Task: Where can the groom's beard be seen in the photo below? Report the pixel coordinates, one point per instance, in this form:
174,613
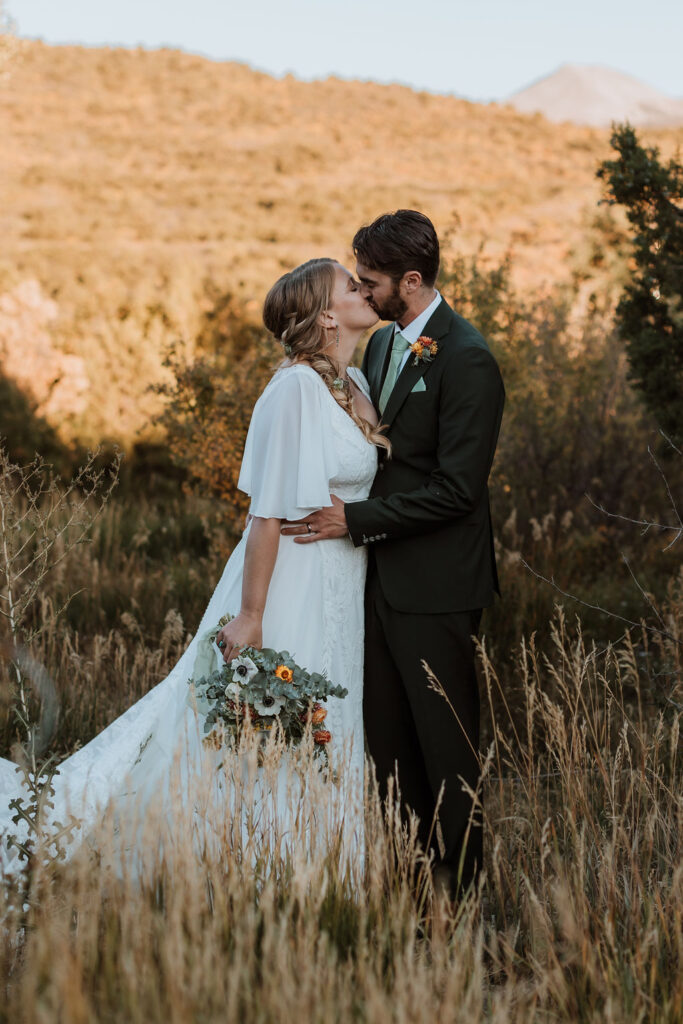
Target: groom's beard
393,308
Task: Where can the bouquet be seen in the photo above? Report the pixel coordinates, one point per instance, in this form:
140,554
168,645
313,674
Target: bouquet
262,690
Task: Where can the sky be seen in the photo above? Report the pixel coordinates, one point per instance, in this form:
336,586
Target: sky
481,49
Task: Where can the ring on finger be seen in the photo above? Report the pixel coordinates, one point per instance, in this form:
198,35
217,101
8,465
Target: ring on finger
308,527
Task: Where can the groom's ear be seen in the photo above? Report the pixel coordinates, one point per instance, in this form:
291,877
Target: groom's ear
411,282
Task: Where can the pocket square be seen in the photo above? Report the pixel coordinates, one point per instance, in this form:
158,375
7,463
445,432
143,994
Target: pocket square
419,386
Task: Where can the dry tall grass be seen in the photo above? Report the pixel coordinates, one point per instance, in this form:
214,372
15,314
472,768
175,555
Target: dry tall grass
579,915
125,616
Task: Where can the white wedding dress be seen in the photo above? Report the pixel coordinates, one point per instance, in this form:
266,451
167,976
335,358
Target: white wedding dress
301,447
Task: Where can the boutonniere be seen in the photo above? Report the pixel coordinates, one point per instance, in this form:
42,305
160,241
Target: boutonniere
424,350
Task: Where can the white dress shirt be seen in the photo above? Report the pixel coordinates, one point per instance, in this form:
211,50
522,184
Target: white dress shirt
414,329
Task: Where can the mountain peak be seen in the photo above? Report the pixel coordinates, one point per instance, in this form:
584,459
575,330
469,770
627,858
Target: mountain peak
592,94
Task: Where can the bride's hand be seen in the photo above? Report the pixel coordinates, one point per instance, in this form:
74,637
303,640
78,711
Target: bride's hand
243,631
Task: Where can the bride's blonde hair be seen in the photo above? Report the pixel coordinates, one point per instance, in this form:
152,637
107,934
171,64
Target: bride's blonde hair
292,313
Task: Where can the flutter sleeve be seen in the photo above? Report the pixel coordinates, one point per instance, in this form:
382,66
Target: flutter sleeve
289,455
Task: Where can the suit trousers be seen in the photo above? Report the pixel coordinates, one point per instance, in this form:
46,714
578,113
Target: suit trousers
411,730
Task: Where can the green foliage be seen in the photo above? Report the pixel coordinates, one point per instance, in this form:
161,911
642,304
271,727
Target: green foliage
650,313
31,814
261,689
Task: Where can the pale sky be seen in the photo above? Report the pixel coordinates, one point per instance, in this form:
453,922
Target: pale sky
482,49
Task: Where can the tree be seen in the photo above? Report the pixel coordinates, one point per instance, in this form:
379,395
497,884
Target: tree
650,313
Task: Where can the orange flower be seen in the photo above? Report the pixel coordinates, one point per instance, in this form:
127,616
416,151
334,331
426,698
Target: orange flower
424,349
322,736
319,715
284,673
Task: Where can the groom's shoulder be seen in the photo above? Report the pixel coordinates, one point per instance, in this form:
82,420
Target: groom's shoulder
465,356
462,338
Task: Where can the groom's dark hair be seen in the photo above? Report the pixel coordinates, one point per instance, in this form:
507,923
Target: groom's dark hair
398,242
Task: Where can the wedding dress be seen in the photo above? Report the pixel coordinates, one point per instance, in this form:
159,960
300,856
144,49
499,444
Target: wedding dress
301,447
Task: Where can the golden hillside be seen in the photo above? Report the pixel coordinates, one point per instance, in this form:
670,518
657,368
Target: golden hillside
133,181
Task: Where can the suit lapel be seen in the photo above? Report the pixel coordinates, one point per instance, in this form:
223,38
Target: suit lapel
380,358
436,327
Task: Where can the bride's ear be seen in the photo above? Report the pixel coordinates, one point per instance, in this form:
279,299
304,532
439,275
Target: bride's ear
327,320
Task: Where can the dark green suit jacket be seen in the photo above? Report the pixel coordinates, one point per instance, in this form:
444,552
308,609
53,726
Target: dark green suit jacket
427,519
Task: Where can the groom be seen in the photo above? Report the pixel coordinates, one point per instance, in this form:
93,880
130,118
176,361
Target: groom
427,526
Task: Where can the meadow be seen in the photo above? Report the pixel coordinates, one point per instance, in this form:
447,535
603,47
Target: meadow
579,912
153,196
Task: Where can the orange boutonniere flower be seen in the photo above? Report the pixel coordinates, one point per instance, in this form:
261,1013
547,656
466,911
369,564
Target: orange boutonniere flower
284,673
322,736
424,350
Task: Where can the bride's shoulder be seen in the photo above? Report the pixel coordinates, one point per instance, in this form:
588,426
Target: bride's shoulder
294,377
293,383
290,370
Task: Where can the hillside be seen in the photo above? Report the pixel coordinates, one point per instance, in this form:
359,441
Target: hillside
137,183
598,95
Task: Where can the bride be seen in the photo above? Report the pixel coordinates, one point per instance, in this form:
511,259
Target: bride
313,433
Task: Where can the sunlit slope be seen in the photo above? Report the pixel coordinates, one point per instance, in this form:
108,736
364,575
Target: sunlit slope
130,179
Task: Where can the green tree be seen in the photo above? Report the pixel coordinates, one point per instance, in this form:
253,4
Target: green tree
650,312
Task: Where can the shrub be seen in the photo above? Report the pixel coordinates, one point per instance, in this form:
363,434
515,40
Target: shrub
210,401
650,313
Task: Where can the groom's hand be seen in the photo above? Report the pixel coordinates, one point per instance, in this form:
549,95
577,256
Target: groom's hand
322,525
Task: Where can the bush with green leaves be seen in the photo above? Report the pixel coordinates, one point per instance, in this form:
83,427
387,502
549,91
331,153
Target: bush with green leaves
650,313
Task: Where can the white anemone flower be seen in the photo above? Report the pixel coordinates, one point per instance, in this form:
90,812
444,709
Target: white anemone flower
232,691
269,705
243,670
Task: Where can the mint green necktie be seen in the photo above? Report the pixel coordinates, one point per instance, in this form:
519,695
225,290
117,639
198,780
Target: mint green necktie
399,349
